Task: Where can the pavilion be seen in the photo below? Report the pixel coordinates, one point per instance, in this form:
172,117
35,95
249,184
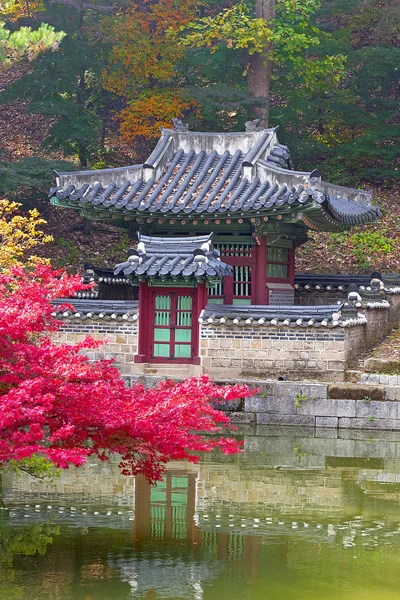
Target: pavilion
217,218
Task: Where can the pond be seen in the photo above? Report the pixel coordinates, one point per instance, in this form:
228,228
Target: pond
299,515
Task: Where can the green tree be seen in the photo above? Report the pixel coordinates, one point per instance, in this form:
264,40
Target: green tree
65,86
28,179
269,34
353,127
26,43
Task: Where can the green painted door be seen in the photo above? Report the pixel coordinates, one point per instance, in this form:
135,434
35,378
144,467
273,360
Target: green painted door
172,330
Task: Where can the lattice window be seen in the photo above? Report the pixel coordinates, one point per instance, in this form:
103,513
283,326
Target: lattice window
237,249
175,497
238,288
242,285
172,326
235,546
277,263
216,292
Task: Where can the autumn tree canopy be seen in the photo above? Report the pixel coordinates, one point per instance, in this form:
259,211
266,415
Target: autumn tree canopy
269,34
142,64
19,234
56,403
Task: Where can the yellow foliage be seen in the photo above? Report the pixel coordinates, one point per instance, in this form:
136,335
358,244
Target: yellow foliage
145,115
19,233
20,9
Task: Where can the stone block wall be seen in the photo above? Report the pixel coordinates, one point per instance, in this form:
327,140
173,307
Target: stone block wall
378,325
336,406
280,297
296,353
274,351
380,322
394,312
318,297
272,489
355,343
322,353
120,339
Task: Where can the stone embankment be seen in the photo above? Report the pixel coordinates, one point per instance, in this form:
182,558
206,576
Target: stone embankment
372,405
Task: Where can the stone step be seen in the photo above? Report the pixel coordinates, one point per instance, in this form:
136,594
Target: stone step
382,365
380,379
353,375
175,371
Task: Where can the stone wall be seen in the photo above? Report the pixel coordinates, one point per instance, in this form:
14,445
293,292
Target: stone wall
120,340
394,312
322,353
380,322
272,489
274,351
318,297
280,294
296,353
344,406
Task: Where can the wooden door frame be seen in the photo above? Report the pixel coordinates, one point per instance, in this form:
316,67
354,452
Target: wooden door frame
146,321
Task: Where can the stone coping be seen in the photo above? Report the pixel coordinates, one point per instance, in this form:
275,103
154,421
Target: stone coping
333,315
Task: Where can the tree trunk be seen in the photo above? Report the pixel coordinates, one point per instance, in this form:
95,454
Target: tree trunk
86,226
104,120
80,99
260,67
81,93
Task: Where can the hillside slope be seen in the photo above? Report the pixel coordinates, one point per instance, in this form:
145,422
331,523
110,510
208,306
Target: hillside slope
364,249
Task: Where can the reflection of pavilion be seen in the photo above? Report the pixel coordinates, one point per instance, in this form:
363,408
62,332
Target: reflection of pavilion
173,557
166,511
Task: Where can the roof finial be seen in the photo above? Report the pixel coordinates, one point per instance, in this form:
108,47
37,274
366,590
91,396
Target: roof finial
253,125
179,125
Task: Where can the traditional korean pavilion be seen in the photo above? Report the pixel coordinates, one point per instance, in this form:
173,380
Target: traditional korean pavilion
217,218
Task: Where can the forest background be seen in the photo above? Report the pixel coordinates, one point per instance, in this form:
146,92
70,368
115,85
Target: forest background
88,83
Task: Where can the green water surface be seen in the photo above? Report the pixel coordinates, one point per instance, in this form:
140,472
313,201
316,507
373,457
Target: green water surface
298,515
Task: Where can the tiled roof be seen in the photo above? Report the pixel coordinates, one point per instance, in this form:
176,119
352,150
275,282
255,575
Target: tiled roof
174,258
193,174
96,309
219,314
340,283
288,316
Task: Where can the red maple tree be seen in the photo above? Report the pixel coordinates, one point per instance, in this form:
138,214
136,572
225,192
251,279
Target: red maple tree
56,403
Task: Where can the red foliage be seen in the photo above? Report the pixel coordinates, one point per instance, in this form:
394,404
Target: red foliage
57,403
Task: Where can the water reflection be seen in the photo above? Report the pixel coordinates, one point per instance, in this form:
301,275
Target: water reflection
294,516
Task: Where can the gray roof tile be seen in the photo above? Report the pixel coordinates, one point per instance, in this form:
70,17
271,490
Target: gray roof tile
175,257
195,178
288,316
93,308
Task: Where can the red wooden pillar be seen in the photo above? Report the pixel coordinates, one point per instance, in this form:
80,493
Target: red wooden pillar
291,267
142,522
144,317
202,297
260,296
201,302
